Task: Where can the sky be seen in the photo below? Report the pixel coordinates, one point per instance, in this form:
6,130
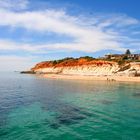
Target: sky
32,31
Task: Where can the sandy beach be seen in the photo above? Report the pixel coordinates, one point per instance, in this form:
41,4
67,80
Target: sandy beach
101,78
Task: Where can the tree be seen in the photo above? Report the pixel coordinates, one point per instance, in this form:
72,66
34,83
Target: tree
54,62
127,52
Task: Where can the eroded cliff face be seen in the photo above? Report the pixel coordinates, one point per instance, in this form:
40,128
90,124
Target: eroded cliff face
129,69
77,67
86,67
79,70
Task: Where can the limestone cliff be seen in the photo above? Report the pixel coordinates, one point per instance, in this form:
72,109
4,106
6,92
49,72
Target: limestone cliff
86,66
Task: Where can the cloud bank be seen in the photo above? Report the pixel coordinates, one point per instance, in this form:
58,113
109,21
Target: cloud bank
90,33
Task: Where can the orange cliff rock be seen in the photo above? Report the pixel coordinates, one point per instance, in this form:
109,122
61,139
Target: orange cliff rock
72,63
81,66
87,66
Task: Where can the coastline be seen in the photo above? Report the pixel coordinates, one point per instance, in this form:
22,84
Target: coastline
94,78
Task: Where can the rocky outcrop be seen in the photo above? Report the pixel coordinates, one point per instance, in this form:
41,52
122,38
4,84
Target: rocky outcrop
28,72
130,69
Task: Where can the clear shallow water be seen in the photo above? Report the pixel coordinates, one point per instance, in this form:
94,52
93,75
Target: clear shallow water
33,108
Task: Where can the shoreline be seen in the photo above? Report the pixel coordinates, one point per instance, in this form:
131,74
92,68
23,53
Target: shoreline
93,78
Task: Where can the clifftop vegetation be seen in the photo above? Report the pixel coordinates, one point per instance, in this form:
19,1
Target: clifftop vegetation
110,59
70,61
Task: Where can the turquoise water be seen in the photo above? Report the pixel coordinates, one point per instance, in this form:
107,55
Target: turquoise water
33,108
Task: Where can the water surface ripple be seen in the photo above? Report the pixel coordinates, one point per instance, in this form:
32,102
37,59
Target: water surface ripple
33,108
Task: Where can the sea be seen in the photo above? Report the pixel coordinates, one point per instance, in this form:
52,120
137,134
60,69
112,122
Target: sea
37,108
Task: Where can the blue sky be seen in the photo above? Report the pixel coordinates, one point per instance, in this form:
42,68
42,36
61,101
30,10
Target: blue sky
36,30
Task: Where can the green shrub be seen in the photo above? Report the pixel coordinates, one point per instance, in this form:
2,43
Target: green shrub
121,62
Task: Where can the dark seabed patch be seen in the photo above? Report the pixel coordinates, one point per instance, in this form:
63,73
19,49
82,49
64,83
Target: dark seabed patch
106,102
54,125
68,116
3,132
69,119
136,94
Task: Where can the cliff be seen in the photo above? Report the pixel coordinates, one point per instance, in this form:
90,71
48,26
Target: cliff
86,66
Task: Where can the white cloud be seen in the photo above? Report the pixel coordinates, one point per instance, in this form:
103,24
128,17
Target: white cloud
118,21
89,38
90,34
13,4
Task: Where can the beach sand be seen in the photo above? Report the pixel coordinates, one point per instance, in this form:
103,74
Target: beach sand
102,78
